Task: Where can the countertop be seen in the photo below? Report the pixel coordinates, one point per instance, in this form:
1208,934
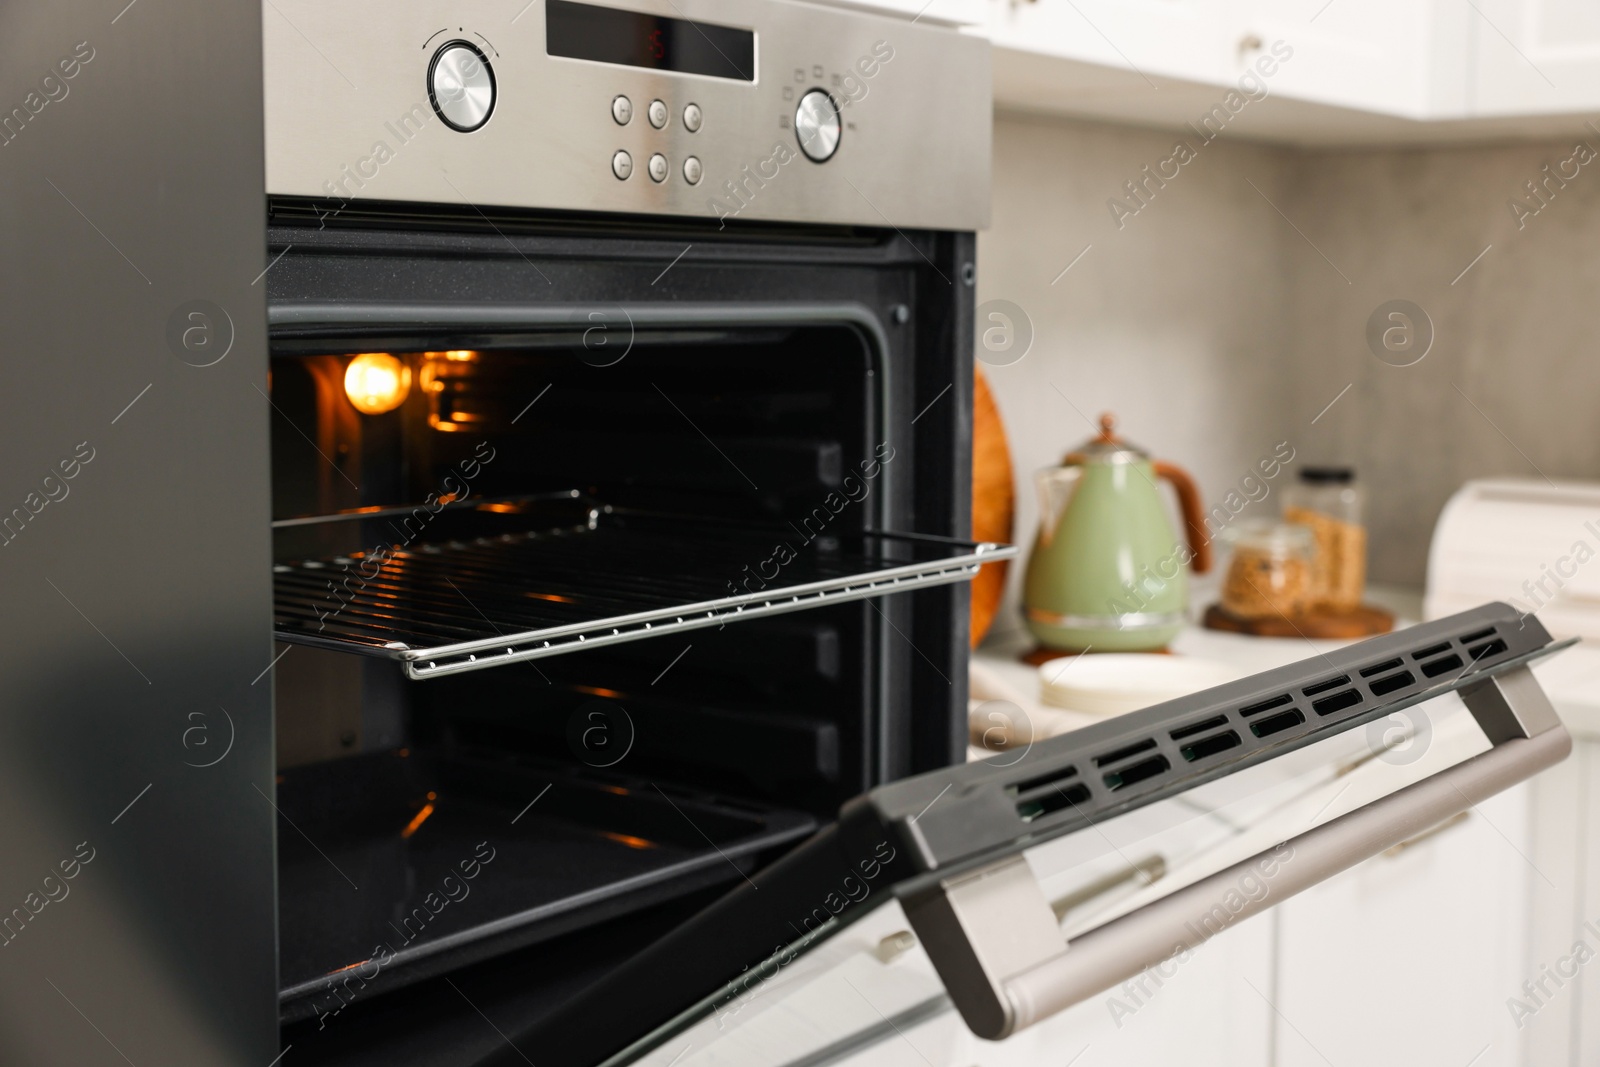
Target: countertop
1571,678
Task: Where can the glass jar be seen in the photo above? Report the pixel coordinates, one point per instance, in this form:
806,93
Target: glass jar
1329,502
1270,572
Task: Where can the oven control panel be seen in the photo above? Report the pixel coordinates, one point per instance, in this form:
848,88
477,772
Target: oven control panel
753,109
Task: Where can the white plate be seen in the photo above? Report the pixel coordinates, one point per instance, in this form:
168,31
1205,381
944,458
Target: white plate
1111,683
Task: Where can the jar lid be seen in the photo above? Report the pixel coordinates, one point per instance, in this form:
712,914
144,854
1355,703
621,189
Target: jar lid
1327,475
1271,536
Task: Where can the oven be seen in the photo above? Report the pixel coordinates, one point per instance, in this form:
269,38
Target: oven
620,378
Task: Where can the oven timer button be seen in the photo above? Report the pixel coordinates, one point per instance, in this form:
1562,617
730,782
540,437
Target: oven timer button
622,165
658,168
658,114
691,117
816,126
622,110
461,86
691,171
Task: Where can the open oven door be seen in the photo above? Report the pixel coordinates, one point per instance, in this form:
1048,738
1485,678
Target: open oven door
1013,888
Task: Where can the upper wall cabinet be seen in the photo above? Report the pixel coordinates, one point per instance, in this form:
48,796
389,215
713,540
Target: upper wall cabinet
949,12
1314,70
1149,40
1536,56
1406,58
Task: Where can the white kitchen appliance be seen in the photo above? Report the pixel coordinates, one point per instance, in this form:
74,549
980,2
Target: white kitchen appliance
1532,543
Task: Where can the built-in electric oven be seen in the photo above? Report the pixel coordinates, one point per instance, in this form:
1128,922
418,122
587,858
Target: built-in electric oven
621,377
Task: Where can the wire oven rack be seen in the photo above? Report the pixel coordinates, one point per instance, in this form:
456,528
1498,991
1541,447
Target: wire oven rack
547,586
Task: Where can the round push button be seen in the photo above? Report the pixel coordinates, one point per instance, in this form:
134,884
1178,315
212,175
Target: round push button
658,114
691,117
461,86
622,165
658,168
622,110
691,171
816,125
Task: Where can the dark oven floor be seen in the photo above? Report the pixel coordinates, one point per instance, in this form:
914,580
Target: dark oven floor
398,866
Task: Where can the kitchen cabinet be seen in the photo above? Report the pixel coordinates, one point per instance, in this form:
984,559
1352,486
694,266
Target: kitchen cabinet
952,12
1561,1022
1388,56
1375,71
904,1020
1536,56
1145,40
1399,57
1409,957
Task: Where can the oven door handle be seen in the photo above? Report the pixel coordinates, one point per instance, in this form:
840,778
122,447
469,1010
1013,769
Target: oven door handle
993,938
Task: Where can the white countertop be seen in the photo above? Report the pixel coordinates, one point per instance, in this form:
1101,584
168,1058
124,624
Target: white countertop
1571,678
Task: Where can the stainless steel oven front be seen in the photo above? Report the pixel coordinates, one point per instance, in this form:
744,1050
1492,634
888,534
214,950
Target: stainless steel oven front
620,380
721,109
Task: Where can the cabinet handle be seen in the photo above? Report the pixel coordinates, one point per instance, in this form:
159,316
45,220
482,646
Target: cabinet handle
1147,871
998,947
1250,42
1455,820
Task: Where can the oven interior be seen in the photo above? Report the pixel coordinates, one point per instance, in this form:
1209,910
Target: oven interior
432,489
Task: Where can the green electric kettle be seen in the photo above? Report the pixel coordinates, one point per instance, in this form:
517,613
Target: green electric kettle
1107,571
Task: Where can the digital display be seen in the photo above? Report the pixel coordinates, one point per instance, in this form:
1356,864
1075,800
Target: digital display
634,39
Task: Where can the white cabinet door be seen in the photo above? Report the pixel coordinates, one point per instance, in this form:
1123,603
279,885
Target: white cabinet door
1536,56
954,12
1149,39
1201,1014
1587,995
1555,994
1409,958
1396,57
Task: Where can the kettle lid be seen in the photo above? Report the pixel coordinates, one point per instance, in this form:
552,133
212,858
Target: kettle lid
1106,447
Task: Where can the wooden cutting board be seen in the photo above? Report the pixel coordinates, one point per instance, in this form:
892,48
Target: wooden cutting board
1364,621
994,502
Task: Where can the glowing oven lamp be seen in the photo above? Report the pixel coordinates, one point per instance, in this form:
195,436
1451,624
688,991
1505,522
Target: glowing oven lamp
376,382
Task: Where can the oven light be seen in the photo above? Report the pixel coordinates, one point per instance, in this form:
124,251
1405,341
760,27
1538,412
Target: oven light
376,382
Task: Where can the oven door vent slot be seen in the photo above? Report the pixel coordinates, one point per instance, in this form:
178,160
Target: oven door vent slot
1393,683
1052,800
1276,724
1348,698
1210,746
1198,728
1266,705
1124,752
1121,779
1437,667
1324,686
1382,668
1491,648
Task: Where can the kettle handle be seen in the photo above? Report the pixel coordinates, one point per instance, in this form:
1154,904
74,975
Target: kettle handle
1193,516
